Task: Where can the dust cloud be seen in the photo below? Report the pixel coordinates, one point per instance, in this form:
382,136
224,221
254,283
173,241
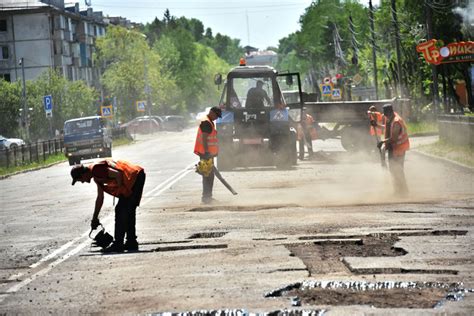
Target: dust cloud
340,178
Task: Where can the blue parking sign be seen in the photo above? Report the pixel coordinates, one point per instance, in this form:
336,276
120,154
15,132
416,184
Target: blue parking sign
48,103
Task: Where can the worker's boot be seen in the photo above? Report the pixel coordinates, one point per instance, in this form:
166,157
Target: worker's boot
113,248
131,245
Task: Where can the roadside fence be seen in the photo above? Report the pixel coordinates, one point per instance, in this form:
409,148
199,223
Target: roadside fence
39,151
32,152
457,129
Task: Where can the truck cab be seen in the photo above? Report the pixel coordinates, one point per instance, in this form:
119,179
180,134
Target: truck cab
86,138
255,128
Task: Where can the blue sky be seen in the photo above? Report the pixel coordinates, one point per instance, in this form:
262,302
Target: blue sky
260,23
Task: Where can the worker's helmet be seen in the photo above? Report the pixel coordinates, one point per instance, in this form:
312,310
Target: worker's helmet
372,108
387,109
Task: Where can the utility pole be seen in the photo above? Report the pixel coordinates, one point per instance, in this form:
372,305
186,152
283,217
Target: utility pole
397,46
147,91
434,69
372,41
25,107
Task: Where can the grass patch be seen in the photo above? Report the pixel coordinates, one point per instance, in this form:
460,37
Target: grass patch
121,141
53,159
422,127
461,154
59,157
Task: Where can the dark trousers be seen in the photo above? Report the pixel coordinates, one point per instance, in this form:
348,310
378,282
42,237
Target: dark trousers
207,185
396,166
125,212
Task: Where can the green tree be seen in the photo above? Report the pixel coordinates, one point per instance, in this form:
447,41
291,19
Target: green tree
128,60
10,105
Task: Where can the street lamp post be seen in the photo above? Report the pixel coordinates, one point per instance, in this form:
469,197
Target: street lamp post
25,108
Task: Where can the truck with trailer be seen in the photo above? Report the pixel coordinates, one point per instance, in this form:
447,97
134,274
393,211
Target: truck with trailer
347,120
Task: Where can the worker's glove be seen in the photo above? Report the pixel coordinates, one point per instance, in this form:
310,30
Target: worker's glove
380,144
373,123
95,223
388,146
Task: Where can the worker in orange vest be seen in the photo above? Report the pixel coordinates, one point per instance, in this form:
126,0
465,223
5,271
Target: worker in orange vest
377,121
396,142
306,134
207,147
120,179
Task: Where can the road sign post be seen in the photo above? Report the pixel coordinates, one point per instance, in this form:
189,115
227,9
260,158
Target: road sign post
106,111
48,105
141,106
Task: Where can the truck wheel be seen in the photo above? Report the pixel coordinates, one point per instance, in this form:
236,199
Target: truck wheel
74,161
226,160
224,163
285,154
350,139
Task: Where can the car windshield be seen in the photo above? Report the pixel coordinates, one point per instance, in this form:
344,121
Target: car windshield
81,126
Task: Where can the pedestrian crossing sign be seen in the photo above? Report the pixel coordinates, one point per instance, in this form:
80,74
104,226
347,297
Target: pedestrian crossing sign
326,90
141,106
106,110
336,94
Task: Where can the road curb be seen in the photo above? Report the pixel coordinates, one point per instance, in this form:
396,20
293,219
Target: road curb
32,169
442,159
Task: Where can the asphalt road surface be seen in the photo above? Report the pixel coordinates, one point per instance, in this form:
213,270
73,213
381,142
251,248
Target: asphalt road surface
330,230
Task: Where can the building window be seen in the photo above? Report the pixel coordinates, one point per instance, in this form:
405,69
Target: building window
3,25
4,52
5,77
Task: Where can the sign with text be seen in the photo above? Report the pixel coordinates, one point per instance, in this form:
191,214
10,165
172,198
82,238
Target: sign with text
435,52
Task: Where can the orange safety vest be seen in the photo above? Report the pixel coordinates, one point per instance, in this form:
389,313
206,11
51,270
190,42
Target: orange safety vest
212,141
380,119
129,175
402,143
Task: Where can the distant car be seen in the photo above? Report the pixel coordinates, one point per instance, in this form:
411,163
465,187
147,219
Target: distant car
174,123
10,143
142,125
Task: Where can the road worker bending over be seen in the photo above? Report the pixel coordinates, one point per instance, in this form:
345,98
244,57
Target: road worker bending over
120,179
396,142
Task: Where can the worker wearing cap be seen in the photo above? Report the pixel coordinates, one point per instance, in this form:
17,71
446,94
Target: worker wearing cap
207,147
256,97
120,179
396,142
376,120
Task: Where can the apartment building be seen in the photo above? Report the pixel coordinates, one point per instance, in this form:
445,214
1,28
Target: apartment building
46,34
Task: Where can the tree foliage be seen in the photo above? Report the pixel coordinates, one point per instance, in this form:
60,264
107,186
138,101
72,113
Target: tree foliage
312,50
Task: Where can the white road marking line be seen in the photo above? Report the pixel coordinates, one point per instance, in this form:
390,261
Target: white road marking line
151,194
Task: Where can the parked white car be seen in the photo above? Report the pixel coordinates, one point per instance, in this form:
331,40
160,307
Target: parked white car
10,143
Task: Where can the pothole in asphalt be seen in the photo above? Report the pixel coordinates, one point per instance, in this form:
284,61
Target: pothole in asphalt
324,252
237,208
243,312
413,212
377,294
207,235
190,247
